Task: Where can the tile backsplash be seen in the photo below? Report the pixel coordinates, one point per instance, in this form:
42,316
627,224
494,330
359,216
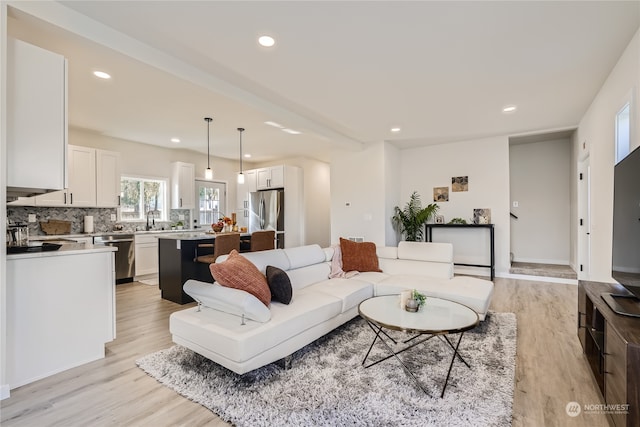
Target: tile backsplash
102,222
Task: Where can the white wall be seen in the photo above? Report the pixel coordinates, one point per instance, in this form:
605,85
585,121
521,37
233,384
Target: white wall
540,182
595,138
358,206
486,163
317,198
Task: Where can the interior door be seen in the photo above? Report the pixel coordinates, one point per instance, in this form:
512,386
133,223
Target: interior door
211,197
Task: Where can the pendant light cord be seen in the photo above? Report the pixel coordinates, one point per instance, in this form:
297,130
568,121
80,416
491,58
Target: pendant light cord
240,130
208,119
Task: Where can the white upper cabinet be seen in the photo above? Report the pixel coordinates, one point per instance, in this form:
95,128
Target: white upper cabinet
36,119
82,181
82,177
183,181
271,177
94,181
107,179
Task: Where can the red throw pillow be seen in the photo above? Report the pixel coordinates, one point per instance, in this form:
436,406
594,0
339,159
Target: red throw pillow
358,256
240,273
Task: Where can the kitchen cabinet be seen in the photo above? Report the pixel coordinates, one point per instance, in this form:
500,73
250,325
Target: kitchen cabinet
242,197
60,311
81,191
107,179
271,177
94,181
183,179
146,254
36,106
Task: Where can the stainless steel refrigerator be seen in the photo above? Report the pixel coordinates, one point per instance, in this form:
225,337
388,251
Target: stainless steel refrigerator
266,212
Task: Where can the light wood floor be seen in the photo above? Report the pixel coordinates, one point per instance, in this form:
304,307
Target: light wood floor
550,368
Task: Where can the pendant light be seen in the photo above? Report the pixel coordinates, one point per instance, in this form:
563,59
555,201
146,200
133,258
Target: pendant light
208,173
240,175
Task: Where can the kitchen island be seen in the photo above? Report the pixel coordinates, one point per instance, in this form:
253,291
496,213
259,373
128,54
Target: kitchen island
177,264
60,310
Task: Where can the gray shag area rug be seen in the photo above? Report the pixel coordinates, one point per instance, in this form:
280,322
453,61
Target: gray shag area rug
328,386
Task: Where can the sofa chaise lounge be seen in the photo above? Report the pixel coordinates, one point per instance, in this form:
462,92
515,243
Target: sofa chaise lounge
237,331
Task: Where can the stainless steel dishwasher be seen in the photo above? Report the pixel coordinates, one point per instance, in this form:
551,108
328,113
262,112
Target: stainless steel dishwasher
125,255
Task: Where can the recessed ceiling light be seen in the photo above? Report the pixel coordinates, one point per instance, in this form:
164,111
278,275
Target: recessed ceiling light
175,140
395,129
509,109
291,131
247,156
101,75
274,124
266,41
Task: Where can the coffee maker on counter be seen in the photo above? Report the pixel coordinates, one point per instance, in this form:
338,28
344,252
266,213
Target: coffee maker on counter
17,234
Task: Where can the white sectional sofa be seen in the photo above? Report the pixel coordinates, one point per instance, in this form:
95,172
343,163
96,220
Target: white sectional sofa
243,336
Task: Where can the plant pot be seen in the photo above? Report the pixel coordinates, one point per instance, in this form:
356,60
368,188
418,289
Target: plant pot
412,305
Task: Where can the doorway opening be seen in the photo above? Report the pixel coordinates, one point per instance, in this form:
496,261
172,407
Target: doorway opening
541,194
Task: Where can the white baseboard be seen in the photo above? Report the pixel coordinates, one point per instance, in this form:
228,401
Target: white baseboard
538,278
542,261
4,391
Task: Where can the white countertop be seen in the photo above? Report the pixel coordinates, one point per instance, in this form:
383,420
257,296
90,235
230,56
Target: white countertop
65,250
196,236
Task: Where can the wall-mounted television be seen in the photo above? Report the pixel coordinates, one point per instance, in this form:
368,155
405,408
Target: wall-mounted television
625,263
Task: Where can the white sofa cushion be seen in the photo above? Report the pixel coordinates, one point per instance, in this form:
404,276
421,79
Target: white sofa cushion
432,252
469,291
328,252
350,291
420,268
305,276
302,256
370,276
223,334
229,300
389,252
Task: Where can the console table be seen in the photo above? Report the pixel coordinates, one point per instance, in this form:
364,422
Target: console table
611,343
490,227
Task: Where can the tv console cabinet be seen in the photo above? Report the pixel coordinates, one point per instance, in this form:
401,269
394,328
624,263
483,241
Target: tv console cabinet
611,343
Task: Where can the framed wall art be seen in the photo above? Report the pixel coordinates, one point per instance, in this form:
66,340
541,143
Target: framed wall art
440,194
459,183
482,216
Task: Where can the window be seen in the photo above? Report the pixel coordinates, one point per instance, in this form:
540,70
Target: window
211,201
142,197
623,132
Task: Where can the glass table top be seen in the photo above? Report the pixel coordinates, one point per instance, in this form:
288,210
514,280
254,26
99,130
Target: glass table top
437,316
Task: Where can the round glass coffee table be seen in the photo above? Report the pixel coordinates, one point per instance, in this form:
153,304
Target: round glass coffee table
438,317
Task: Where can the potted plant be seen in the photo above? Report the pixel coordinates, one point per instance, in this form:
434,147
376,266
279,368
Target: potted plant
410,220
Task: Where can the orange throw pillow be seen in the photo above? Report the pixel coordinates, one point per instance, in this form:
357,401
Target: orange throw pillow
358,256
240,273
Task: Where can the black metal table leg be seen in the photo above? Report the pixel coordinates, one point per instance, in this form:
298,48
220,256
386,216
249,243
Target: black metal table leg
453,358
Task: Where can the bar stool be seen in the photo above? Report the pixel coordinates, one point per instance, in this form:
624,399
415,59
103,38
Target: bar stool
263,240
223,245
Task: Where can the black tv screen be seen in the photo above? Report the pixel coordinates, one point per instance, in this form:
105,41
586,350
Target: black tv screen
625,265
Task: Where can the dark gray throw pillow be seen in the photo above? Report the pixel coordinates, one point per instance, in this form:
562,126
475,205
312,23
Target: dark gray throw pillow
279,284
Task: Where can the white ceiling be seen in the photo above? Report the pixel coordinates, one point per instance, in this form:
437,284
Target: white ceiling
343,73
